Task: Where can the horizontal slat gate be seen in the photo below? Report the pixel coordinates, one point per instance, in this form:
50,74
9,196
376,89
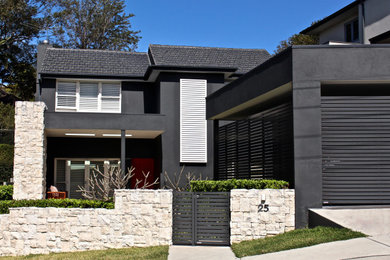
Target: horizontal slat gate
201,218
356,150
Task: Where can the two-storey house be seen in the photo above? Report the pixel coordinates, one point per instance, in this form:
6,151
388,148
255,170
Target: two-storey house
128,109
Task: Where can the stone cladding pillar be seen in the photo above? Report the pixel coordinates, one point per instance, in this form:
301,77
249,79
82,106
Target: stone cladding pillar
30,151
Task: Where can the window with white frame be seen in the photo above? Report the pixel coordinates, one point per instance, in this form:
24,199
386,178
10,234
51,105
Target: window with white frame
88,96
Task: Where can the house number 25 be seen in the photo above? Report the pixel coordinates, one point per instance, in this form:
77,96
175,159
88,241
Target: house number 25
263,208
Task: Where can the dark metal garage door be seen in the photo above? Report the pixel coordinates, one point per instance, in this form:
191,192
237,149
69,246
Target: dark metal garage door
356,150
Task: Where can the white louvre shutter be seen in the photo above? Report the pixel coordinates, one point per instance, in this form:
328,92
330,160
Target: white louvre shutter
89,96
193,124
111,93
66,95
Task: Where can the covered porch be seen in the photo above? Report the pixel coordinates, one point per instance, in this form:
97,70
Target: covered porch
74,154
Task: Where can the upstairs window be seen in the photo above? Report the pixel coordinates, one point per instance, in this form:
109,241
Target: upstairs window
84,96
66,95
352,31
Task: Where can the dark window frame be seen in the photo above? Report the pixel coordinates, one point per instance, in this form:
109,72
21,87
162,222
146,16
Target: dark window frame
351,31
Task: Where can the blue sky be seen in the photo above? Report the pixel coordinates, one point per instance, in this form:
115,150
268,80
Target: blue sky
225,23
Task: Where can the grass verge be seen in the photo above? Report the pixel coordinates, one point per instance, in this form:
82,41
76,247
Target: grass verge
152,253
293,239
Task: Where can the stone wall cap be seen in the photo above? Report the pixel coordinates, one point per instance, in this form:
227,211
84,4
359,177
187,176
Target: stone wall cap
141,190
262,189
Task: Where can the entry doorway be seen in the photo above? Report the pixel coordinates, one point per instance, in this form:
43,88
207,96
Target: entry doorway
142,167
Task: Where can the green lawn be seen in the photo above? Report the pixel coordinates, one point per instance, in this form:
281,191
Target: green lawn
152,253
293,239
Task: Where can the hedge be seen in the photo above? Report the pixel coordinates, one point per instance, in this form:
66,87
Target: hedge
5,205
6,173
6,162
7,116
6,192
201,186
6,154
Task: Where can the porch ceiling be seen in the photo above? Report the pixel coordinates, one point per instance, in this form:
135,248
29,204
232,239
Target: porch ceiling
101,133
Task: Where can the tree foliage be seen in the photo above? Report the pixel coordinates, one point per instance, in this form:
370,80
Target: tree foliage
297,39
19,26
7,114
85,24
93,24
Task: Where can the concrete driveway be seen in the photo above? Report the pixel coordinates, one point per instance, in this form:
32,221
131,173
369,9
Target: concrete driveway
358,248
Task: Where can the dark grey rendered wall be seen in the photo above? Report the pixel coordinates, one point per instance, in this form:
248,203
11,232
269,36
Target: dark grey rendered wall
312,67
137,97
140,110
271,74
170,107
145,106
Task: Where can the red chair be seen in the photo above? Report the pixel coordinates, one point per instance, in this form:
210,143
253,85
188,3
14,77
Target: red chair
55,194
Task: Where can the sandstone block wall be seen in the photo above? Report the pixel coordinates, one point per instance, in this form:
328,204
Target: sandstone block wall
249,220
140,218
30,155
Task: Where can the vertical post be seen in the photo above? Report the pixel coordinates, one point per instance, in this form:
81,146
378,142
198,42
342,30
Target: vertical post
216,149
123,150
307,149
193,194
361,23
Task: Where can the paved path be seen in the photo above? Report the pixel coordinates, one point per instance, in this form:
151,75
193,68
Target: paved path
200,253
370,248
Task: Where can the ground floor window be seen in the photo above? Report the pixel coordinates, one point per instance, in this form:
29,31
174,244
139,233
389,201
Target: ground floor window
71,173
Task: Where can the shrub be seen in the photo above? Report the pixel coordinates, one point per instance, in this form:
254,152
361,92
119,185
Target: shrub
7,116
6,172
6,154
228,185
6,161
56,203
6,192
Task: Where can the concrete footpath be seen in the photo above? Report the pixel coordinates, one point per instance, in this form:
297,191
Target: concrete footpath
200,252
377,247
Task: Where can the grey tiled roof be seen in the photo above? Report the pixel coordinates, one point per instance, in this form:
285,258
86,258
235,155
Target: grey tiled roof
242,59
94,62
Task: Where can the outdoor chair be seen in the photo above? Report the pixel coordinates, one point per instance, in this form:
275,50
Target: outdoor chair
55,194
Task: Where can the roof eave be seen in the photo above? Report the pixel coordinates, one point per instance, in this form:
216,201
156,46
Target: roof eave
177,68
94,76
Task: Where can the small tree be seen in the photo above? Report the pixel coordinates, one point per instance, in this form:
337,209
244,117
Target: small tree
101,185
175,184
